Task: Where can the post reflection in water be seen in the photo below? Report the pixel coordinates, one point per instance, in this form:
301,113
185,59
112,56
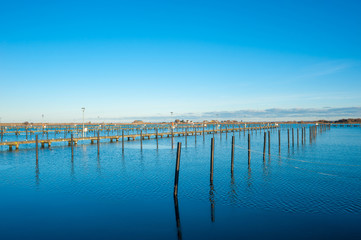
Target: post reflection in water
99,170
37,172
72,169
176,209
211,200
233,192
123,161
249,178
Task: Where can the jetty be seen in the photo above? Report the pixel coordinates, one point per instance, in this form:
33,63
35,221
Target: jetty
168,132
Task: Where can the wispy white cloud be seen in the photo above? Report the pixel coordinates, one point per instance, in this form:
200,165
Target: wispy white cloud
326,68
327,113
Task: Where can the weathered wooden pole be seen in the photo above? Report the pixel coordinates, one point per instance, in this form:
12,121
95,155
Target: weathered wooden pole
269,142
195,135
212,159
156,136
264,146
220,131
288,138
298,138
279,141
98,143
186,135
141,139
72,146
232,155
176,175
303,135
226,132
36,147
203,133
172,137
122,140
293,138
249,149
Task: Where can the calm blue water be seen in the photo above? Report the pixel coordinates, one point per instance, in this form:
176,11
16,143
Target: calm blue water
305,191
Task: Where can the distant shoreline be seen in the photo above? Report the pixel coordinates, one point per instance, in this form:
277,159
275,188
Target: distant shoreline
340,121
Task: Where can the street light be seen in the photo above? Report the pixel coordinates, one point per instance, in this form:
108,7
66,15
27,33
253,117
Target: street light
83,108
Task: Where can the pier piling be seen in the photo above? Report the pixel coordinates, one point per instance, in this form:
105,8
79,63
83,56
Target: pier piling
232,155
36,147
72,146
98,143
279,141
176,176
288,138
264,146
269,143
212,159
249,149
141,139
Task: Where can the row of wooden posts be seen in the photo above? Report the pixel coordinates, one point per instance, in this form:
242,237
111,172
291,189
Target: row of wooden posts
312,134
108,130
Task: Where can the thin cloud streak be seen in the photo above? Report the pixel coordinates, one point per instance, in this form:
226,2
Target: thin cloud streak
272,114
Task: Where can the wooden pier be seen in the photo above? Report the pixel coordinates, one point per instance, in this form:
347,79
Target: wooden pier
130,137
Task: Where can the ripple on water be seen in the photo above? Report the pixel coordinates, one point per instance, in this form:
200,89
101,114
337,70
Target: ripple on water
324,181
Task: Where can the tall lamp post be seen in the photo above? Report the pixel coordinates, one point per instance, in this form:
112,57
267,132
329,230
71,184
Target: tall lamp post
83,108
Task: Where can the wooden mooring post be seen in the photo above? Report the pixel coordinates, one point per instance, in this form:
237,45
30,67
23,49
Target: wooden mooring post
72,146
195,135
186,135
141,139
123,140
203,134
298,133
269,143
293,138
288,138
232,155
36,147
249,149
264,146
156,136
176,175
220,132
98,144
279,141
212,160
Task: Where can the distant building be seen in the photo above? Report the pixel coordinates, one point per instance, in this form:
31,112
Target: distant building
138,122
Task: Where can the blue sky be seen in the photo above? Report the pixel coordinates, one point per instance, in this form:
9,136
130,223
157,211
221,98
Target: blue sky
127,60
